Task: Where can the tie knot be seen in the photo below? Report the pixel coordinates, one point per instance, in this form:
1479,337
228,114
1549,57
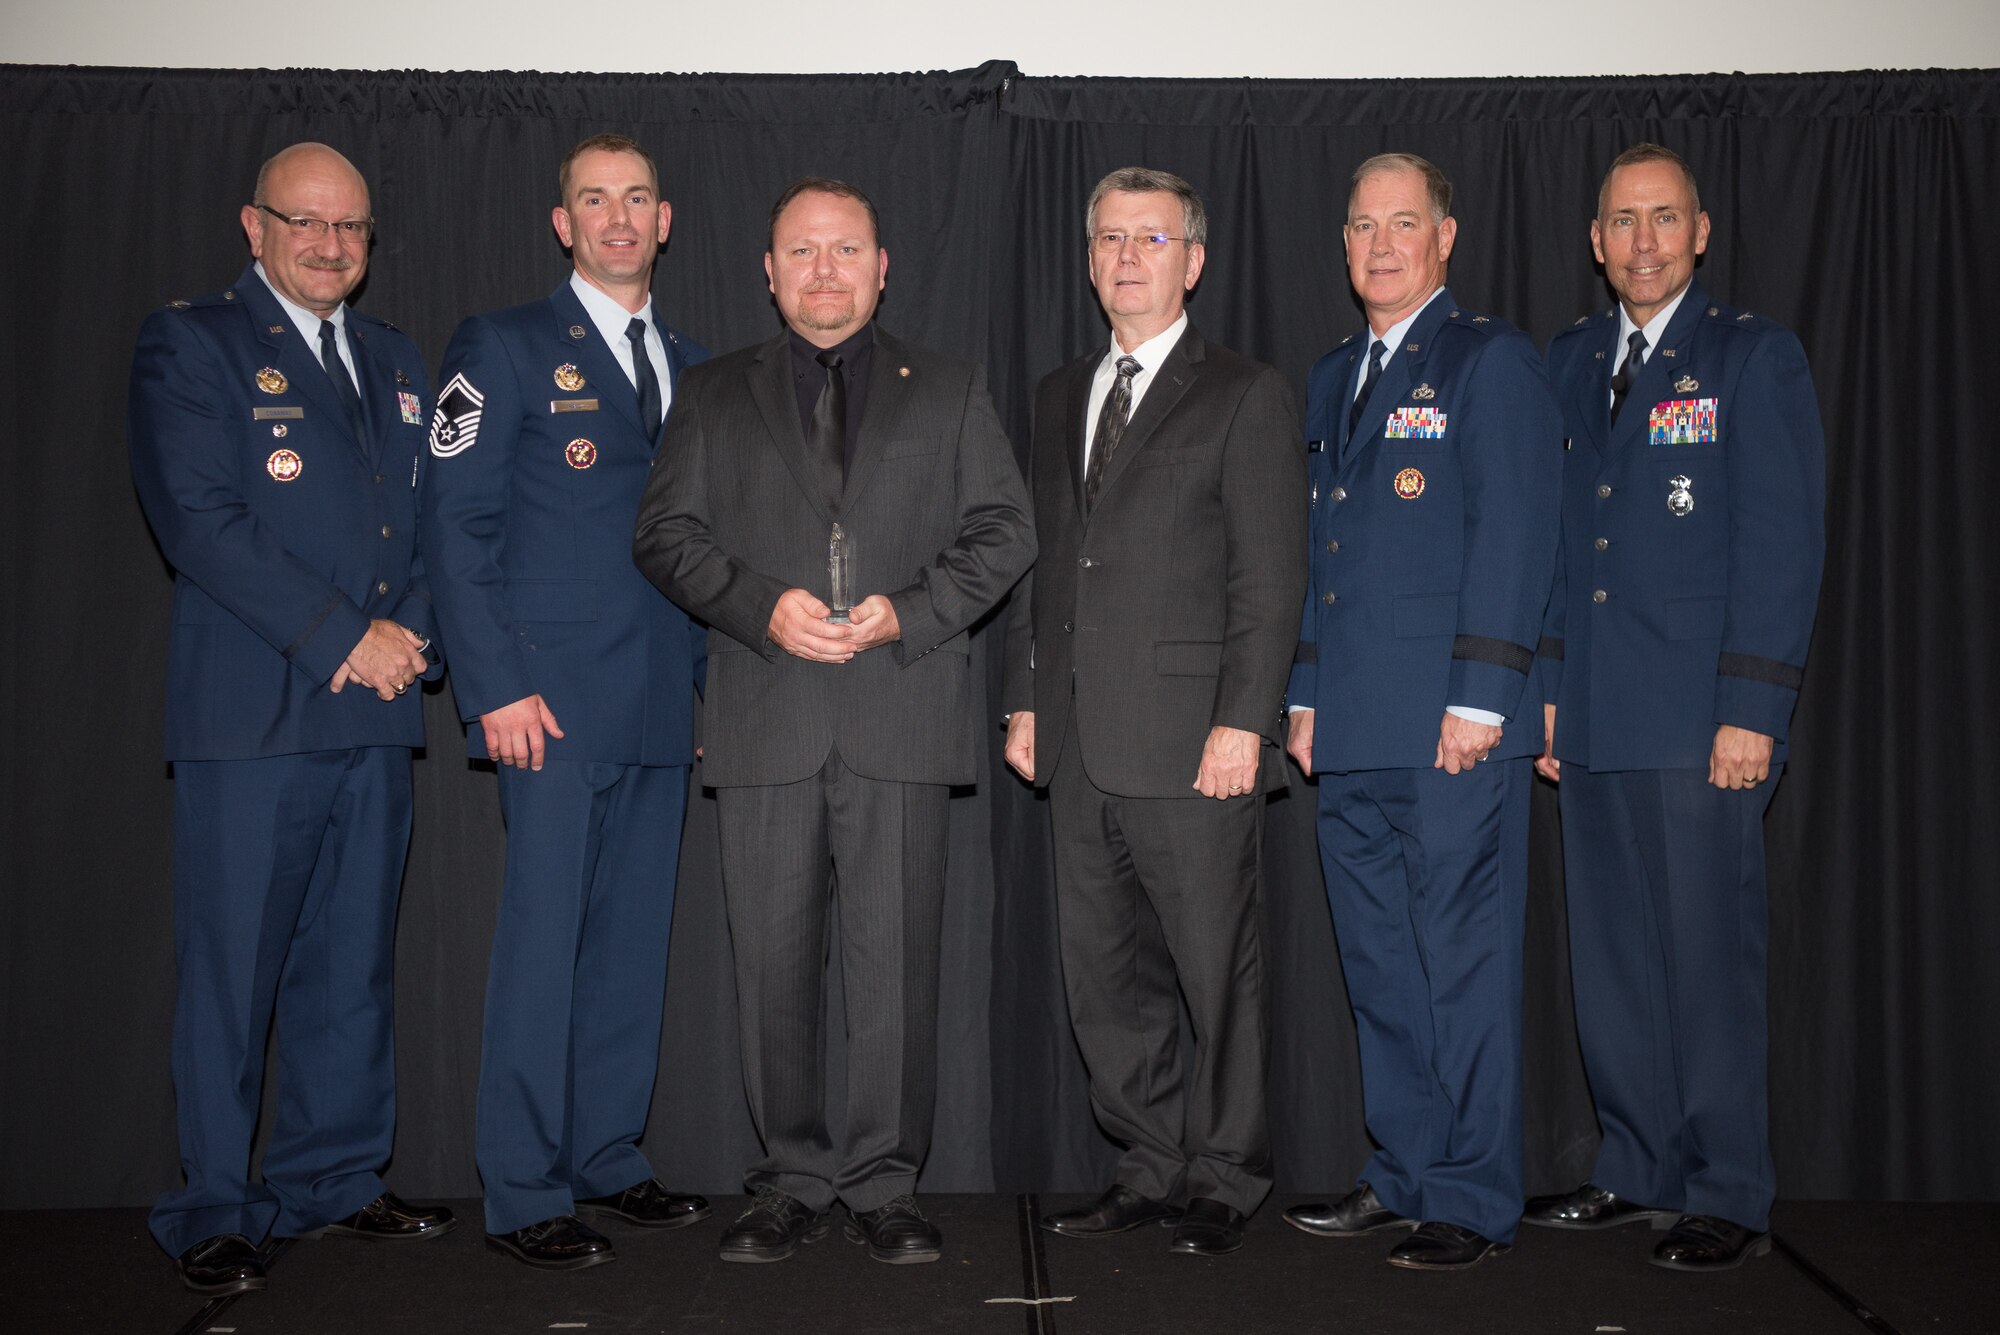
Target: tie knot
326,331
830,359
636,331
1636,345
1129,367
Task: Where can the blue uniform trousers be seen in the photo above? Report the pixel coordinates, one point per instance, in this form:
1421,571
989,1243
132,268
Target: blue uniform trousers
1427,875
1668,926
576,984
287,870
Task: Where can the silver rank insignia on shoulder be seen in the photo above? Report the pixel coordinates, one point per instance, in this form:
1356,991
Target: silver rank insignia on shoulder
1743,317
1714,311
1454,315
179,305
1680,499
1482,319
1423,391
1687,384
576,331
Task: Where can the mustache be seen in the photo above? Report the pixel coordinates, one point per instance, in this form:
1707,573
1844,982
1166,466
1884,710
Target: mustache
340,265
824,285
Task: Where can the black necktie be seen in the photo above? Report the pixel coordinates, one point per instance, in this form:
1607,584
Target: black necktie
1635,358
1367,388
826,438
1110,428
643,377
343,383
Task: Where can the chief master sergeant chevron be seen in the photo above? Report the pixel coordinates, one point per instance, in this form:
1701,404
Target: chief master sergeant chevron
1692,539
578,677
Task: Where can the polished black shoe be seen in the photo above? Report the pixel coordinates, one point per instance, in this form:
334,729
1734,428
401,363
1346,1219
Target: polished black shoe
1359,1211
1441,1246
219,1266
896,1233
772,1228
647,1204
1704,1242
390,1218
1590,1207
562,1243
1207,1228
1117,1210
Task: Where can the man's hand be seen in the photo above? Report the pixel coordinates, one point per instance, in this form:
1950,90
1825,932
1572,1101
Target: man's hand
1741,758
1463,743
799,627
388,658
1020,750
1228,763
874,622
1546,764
514,733
1299,739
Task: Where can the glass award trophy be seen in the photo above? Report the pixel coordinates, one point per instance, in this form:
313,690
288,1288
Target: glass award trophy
840,575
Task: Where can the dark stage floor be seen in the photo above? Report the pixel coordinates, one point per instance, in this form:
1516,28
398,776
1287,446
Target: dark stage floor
1841,1268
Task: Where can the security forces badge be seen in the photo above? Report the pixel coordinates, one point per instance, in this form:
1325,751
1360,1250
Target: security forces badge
455,424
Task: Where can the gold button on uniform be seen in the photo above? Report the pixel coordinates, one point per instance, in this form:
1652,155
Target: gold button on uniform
1602,543
1599,596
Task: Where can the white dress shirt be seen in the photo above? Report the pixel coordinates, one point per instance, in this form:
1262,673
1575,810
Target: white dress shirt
611,320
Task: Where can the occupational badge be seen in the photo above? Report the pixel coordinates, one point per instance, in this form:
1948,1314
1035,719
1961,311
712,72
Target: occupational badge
284,465
568,378
1423,392
1680,499
1682,422
412,406
1687,384
1409,484
455,424
1415,424
272,381
580,453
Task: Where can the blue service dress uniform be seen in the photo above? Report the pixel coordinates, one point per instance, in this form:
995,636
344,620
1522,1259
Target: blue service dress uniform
1432,546
287,535
1693,540
538,465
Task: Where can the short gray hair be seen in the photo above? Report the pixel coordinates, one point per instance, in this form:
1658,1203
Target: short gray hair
1146,180
1435,184
1639,153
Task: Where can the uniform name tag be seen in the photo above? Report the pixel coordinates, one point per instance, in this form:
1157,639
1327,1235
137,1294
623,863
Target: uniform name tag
572,405
1415,424
1682,422
290,413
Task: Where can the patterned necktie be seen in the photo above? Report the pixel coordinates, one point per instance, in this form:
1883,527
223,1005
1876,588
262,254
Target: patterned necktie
826,439
1635,358
1110,428
647,381
343,384
1367,388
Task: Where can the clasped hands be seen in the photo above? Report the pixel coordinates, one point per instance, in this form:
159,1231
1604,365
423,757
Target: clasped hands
1228,758
388,658
1462,742
799,627
1738,759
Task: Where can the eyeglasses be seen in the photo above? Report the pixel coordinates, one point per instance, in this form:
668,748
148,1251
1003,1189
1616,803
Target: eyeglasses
1151,242
354,231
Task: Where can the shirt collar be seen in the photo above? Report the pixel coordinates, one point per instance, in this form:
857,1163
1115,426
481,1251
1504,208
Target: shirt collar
1392,337
1152,352
849,348
1654,329
306,322
608,316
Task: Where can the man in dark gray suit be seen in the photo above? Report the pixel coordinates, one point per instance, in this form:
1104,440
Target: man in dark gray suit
1146,671
834,720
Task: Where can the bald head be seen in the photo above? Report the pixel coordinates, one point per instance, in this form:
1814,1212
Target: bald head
297,188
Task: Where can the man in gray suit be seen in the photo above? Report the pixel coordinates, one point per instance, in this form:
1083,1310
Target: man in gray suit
1146,671
835,718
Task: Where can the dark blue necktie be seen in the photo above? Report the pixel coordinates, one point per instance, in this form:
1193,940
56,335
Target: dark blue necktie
1361,399
1635,358
647,381
343,384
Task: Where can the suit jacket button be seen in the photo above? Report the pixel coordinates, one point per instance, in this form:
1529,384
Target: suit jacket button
1339,493
378,479
1328,597
1085,562
1332,545
1069,627
1599,596
1603,490
385,530
1602,543
381,586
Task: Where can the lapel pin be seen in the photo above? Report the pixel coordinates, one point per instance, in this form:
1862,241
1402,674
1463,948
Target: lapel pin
576,331
277,329
568,378
1666,352
272,381
1410,348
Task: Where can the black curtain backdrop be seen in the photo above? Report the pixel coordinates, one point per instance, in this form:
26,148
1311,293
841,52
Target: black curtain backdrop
1857,208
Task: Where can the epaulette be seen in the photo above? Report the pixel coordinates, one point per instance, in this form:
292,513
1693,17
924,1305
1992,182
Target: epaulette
1485,324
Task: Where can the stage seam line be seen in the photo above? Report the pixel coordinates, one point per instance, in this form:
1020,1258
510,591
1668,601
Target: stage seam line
1041,1317
1855,1307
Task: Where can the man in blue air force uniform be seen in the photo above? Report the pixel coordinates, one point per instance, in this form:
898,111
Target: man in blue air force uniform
276,443
1693,490
577,677
1435,461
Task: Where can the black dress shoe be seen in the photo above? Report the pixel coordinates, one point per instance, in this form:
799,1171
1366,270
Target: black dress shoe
1359,1211
896,1233
1117,1210
647,1204
1207,1228
772,1228
218,1266
390,1218
1704,1242
561,1243
1441,1246
1591,1207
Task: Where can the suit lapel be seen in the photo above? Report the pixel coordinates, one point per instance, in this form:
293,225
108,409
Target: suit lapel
1403,369
1662,368
770,383
587,349
1074,427
377,381
1175,377
295,353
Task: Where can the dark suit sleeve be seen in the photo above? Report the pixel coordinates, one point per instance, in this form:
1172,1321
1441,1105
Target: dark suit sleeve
1510,457
463,529
673,544
1264,518
1777,539
995,540
186,462
415,610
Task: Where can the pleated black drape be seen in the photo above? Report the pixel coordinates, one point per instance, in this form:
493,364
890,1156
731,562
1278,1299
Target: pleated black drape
1856,208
